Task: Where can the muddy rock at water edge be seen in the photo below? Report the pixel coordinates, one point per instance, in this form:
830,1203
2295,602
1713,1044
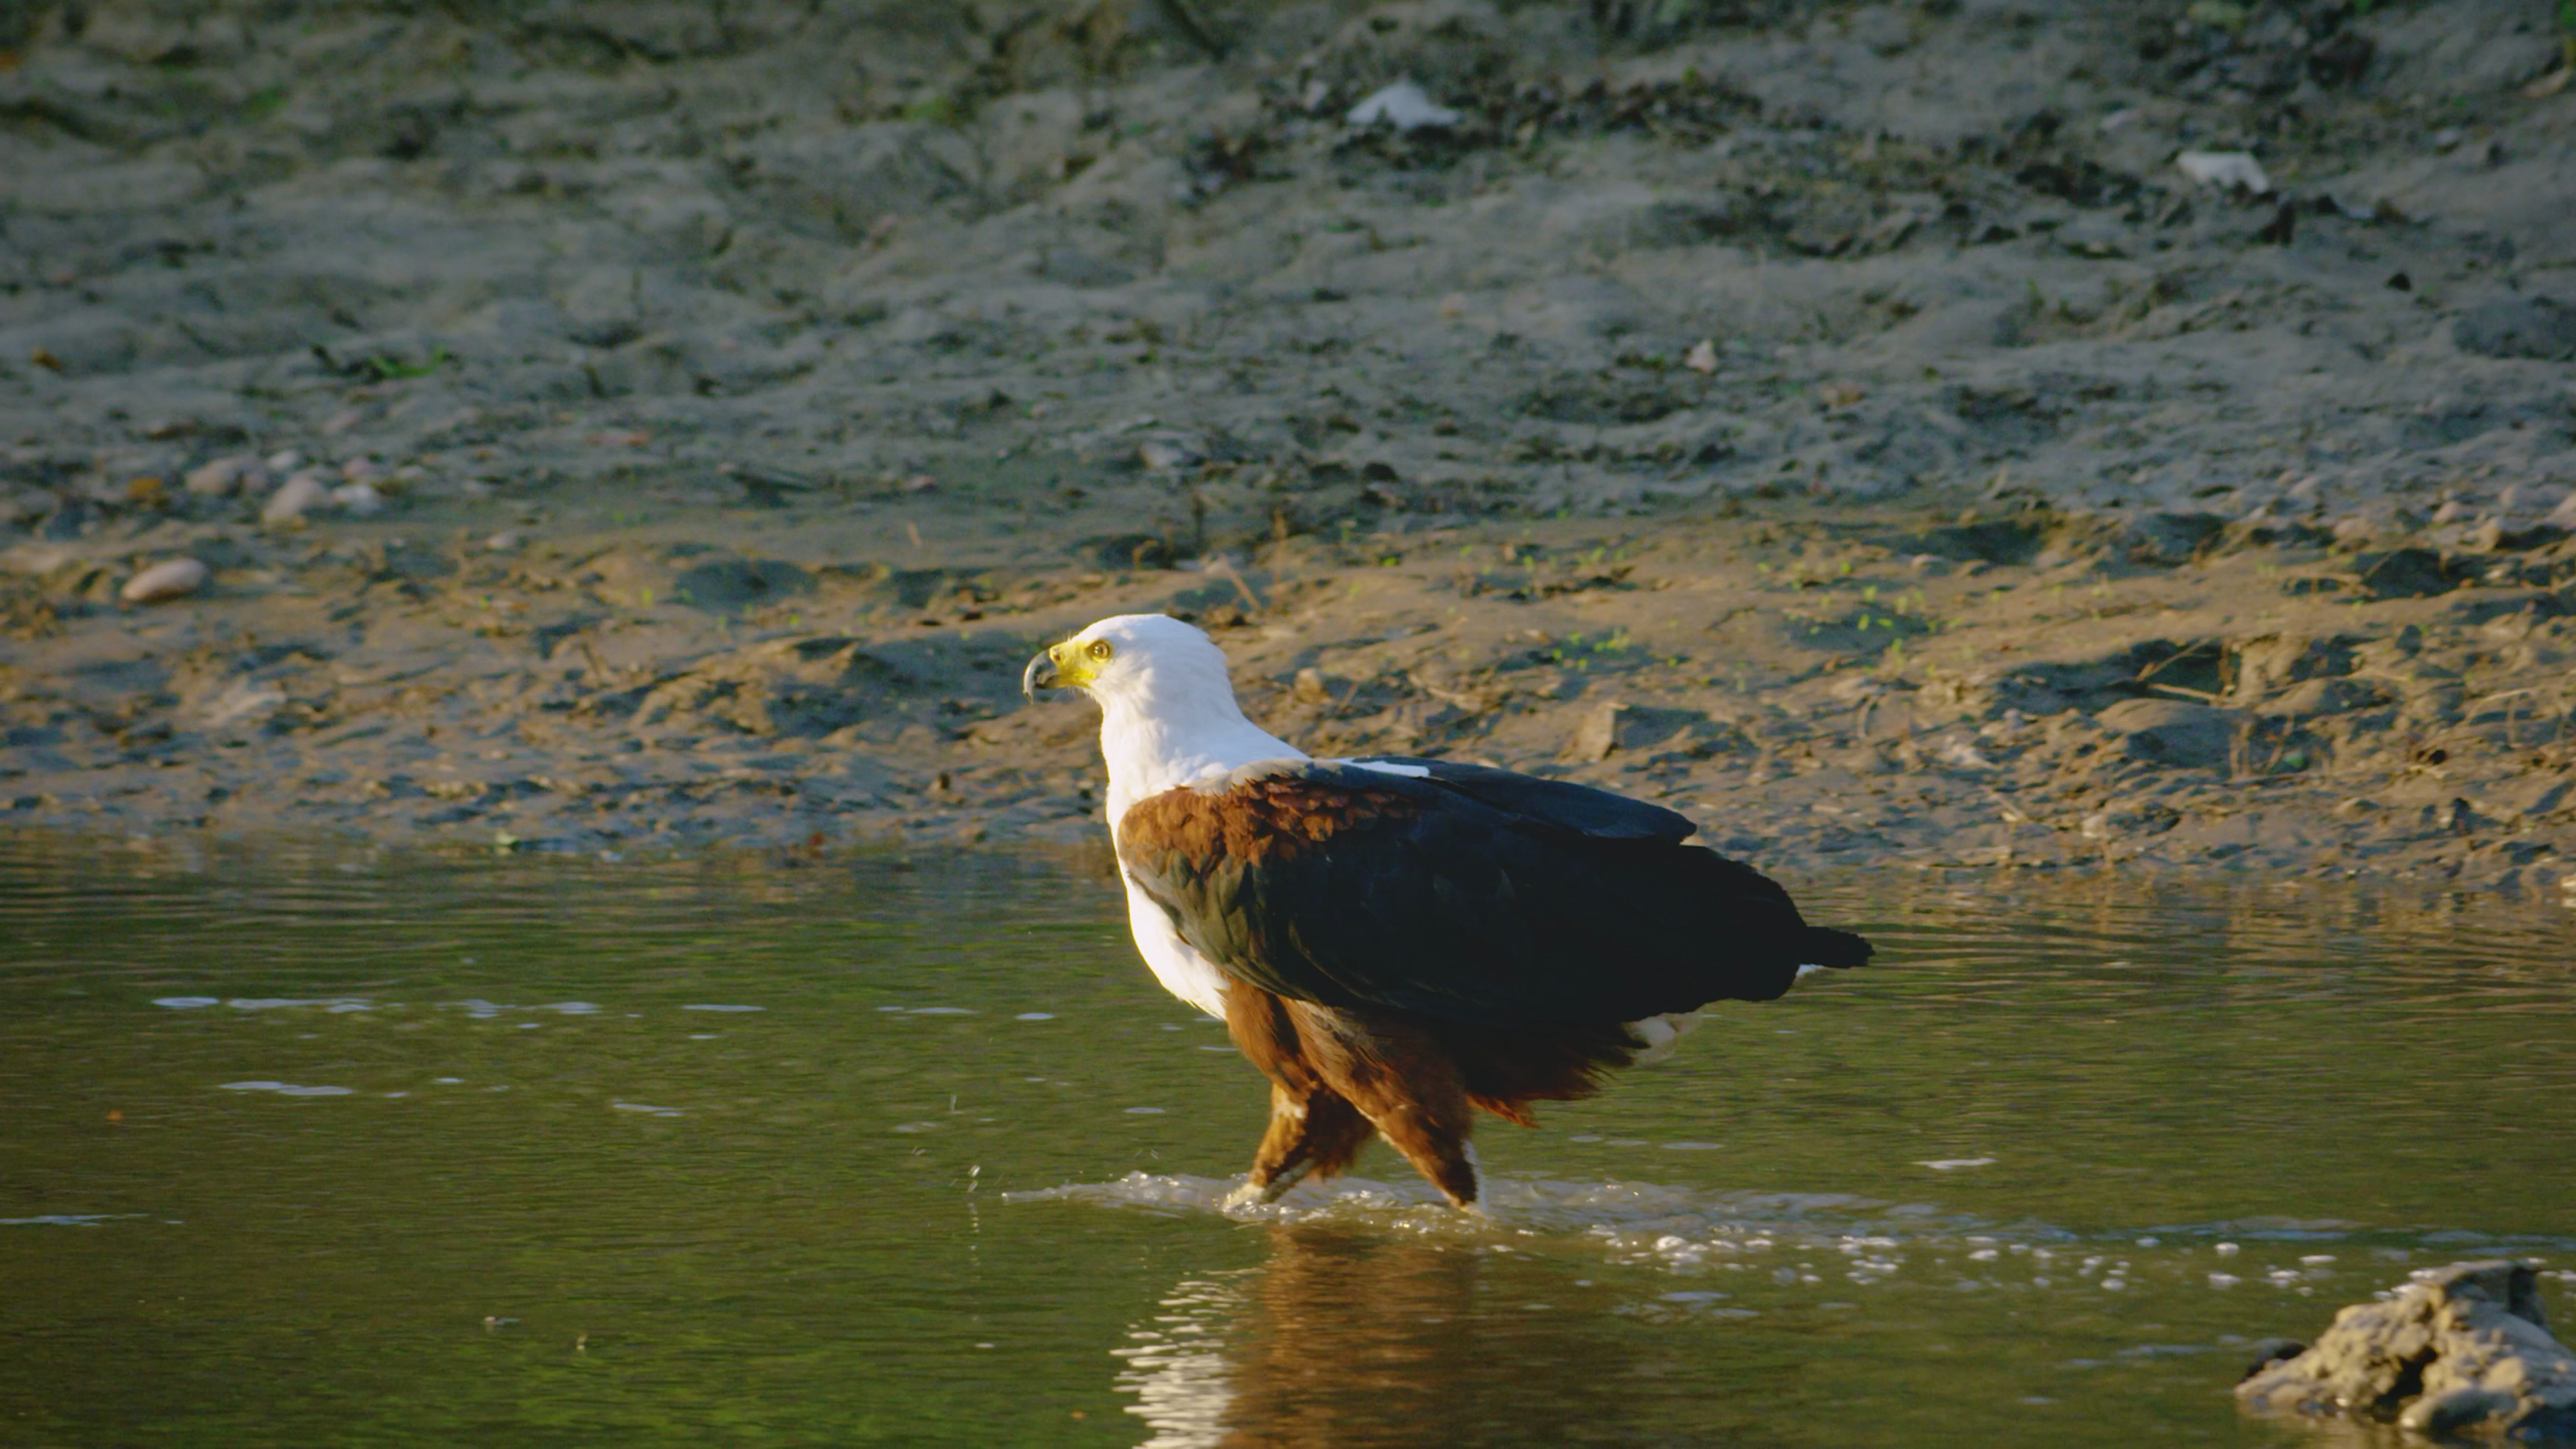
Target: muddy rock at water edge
2461,1349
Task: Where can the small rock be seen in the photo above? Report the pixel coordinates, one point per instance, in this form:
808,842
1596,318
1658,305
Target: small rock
722,585
294,498
2226,170
169,579
2545,798
2316,698
1404,106
2270,663
359,500
342,421
362,470
1702,357
2405,573
2172,539
219,478
1127,551
1163,454
2541,328
503,542
242,701
1596,734
285,460
2172,732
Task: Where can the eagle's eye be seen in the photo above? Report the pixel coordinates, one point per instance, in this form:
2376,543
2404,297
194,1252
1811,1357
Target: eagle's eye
1100,650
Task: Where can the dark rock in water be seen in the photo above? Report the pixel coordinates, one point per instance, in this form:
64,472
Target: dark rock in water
2536,327
2269,1351
2173,732
736,583
2462,1348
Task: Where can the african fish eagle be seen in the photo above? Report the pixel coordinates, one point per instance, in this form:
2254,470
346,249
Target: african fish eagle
1395,942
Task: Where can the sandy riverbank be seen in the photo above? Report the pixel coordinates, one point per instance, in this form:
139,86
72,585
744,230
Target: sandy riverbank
1848,425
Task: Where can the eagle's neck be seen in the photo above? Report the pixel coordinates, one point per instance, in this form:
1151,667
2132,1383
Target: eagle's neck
1163,733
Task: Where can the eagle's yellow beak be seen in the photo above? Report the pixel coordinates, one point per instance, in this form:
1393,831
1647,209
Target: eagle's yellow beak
1062,666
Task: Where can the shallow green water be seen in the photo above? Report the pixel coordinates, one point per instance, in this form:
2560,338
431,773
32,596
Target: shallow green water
349,1150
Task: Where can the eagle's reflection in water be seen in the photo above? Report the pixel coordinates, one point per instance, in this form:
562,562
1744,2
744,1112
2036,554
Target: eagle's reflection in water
1346,1338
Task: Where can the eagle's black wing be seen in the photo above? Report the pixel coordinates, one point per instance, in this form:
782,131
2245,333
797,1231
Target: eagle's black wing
1559,803
1466,894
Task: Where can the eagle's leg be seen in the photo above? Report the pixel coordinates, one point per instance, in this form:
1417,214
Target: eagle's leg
1405,1083
1317,1132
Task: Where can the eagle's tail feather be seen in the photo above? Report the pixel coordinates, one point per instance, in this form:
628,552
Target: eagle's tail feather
1824,946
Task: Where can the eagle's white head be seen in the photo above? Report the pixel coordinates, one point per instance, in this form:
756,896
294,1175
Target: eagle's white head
1167,711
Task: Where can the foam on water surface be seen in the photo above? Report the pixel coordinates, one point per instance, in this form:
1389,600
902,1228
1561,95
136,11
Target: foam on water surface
1803,1238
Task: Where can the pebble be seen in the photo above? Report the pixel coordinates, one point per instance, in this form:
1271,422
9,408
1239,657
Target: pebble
362,470
1162,454
169,579
360,500
286,460
1404,106
294,498
2226,170
219,478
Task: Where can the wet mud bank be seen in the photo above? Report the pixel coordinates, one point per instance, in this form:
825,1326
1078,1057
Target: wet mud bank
623,426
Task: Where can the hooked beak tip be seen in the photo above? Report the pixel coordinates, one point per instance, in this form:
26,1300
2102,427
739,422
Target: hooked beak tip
1040,673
